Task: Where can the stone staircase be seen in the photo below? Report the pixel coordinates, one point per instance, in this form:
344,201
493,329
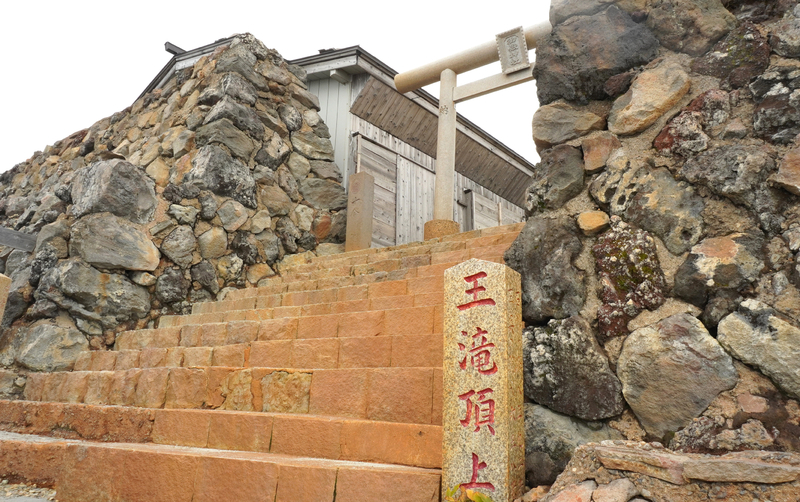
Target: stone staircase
323,385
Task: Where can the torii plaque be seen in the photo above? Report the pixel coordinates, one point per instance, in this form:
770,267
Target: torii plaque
483,418
511,48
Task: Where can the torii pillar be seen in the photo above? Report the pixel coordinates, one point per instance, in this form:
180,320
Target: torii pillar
511,48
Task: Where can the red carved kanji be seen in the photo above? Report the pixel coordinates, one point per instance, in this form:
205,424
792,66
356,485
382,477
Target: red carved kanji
479,353
480,410
473,483
474,290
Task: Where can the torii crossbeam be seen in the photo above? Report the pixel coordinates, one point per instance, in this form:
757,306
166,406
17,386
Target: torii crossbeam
511,48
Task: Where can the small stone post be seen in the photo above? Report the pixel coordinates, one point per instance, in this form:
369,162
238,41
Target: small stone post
360,198
5,285
483,419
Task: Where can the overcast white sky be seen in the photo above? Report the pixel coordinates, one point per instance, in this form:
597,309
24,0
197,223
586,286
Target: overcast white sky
66,64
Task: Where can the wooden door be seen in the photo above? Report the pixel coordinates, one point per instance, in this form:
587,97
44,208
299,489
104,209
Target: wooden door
382,165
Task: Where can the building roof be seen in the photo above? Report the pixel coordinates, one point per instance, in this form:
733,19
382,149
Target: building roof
412,117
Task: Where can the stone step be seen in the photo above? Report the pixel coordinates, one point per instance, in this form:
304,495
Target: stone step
84,471
361,267
318,353
332,438
419,290
353,318
404,395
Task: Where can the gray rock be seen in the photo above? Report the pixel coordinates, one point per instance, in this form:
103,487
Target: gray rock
559,122
230,84
543,254
271,244
326,170
565,369
690,26
232,215
551,439
323,194
242,116
777,113
171,286
208,205
784,37
56,235
246,247
556,179
240,60
261,221
185,215
225,133
51,346
114,186
561,10
760,337
291,117
719,263
108,241
179,245
276,200
583,52
273,122
652,200
206,276
288,184
299,166
739,173
85,292
671,372
273,153
312,146
213,169
288,233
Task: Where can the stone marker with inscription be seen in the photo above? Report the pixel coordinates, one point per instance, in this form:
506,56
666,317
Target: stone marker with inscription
483,419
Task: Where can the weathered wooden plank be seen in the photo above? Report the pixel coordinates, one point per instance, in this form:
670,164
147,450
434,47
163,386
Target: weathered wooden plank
17,240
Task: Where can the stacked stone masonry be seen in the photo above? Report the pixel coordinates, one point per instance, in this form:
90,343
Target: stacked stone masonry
324,382
660,261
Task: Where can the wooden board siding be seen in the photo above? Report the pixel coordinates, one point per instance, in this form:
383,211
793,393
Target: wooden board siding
389,111
334,101
464,187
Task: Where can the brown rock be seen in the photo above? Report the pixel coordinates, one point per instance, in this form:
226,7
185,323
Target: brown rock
559,122
788,175
597,149
593,222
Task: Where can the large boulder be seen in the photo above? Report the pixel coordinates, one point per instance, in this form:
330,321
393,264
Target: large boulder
671,372
323,194
551,439
108,241
719,263
566,370
690,26
93,295
629,274
777,114
581,54
652,93
114,186
242,116
652,200
760,337
213,169
740,172
51,345
558,122
224,132
556,179
544,255
736,59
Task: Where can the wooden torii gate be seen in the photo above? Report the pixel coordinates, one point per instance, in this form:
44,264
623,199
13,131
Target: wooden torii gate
511,48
